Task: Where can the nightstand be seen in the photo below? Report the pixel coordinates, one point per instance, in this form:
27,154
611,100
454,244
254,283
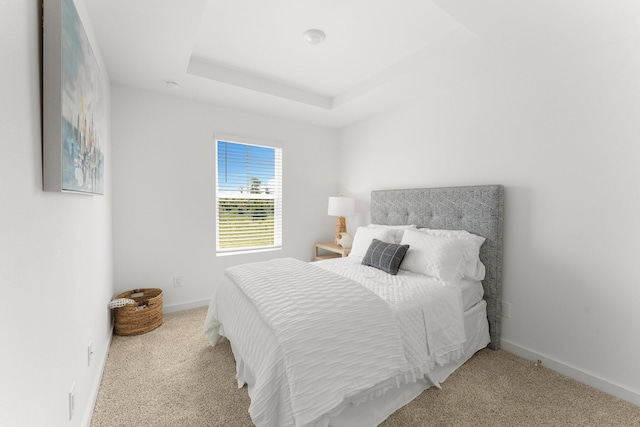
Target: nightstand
336,251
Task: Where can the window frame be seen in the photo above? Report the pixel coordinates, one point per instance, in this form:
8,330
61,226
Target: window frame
277,194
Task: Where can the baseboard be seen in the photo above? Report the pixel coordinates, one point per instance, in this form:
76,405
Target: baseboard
571,372
93,397
185,306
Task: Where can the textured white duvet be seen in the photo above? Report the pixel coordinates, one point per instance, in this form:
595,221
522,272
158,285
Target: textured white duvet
310,339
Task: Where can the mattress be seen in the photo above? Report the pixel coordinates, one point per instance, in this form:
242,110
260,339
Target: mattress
253,351
472,290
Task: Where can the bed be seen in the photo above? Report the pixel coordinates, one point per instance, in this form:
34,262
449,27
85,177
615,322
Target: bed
315,350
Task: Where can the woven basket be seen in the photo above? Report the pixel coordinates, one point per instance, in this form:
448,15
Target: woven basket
143,316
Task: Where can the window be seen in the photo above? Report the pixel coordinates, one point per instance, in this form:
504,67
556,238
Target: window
248,197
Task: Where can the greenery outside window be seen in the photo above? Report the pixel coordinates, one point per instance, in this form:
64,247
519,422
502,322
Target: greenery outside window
248,197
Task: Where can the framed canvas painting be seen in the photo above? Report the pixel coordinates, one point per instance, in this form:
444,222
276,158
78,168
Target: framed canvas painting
73,104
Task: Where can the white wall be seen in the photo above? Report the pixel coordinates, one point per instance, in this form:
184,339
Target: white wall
55,251
558,125
164,191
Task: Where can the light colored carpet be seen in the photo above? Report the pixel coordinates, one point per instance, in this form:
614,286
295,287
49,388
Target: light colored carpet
172,377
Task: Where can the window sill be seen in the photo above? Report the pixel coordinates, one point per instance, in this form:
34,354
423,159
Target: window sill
247,251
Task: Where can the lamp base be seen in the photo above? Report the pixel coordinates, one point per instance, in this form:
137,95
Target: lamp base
341,227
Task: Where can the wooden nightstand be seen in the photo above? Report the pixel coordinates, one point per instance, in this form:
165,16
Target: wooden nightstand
336,251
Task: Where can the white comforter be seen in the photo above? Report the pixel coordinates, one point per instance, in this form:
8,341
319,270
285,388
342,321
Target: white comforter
331,341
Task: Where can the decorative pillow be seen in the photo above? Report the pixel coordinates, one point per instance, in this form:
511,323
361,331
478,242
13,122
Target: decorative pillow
397,229
365,235
385,256
473,267
435,256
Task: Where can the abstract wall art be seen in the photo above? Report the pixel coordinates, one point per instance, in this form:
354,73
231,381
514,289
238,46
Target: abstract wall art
74,104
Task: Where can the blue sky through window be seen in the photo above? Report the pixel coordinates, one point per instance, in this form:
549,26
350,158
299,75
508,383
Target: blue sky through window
240,164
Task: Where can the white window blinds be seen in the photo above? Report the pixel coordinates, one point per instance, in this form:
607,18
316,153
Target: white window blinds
248,197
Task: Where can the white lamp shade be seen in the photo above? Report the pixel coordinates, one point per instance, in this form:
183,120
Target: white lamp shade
341,206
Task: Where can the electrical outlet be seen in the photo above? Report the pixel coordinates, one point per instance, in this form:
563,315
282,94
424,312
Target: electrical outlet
506,310
177,281
89,353
72,400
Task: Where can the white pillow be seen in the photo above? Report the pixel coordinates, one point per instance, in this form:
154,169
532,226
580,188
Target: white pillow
473,267
441,257
397,229
365,235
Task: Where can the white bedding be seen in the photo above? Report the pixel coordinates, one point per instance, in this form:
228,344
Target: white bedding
427,313
472,292
373,412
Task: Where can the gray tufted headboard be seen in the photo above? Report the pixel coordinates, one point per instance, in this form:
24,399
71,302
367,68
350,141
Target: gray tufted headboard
477,209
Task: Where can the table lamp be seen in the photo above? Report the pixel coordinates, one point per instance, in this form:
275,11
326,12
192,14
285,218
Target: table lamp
340,207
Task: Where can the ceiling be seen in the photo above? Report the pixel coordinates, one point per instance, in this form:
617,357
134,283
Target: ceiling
250,54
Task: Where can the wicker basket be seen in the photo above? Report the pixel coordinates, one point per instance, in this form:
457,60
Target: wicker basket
143,316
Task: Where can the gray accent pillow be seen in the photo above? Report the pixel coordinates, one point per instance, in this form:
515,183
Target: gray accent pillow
385,256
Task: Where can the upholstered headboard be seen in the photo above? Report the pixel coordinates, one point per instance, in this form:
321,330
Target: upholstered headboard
477,209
